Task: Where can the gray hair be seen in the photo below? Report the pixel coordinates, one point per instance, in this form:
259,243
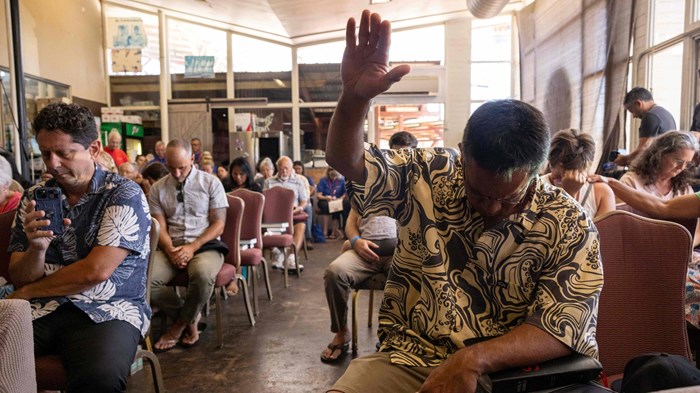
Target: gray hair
267,162
5,172
114,133
648,164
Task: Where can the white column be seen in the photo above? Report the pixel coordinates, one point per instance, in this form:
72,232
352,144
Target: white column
296,118
164,76
458,78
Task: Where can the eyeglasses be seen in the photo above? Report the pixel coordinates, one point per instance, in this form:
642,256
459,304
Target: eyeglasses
180,194
681,163
521,195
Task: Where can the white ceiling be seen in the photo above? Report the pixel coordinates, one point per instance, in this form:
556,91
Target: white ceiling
300,21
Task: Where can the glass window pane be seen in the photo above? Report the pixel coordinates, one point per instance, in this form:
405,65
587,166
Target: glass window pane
425,121
666,78
491,39
261,69
667,19
418,45
204,78
319,72
490,81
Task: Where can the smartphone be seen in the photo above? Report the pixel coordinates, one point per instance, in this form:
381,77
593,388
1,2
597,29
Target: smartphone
49,200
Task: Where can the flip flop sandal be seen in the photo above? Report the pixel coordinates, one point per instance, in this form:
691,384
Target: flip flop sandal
333,347
172,343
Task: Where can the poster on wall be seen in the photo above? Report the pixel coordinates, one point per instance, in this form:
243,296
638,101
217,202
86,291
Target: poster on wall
126,33
199,66
126,60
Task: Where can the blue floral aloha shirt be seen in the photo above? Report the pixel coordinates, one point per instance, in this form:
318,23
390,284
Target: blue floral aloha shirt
113,213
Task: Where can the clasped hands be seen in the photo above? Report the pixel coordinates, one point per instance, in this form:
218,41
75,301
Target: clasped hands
180,256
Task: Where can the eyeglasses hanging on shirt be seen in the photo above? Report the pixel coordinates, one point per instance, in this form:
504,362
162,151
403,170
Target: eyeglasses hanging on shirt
180,194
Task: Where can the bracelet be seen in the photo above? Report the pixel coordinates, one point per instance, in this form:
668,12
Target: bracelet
353,240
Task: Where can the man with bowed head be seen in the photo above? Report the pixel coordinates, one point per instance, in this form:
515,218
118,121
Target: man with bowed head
482,277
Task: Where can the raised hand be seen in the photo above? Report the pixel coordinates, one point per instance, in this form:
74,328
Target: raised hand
33,222
365,67
573,180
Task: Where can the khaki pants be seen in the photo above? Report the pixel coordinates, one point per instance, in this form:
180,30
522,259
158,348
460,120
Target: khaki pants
201,271
375,373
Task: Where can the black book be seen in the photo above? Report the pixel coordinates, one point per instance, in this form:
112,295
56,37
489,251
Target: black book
572,369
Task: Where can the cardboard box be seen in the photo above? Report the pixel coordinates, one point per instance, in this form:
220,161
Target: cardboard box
42,103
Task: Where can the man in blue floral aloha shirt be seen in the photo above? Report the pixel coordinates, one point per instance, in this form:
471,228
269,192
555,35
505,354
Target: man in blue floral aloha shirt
87,286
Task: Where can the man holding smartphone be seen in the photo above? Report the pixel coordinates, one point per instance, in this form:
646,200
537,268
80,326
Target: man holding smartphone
86,285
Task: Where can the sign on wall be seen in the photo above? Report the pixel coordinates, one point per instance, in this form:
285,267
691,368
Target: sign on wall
199,66
126,33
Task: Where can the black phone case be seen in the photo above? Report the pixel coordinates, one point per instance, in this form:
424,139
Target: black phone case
49,200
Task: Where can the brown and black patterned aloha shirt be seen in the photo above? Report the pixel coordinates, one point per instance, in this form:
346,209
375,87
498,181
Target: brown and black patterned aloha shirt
453,282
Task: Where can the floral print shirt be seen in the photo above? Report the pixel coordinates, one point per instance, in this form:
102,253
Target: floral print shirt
454,282
112,213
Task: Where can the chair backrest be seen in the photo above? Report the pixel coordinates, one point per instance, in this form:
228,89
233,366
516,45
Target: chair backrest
279,206
6,220
232,230
687,223
252,214
642,306
154,234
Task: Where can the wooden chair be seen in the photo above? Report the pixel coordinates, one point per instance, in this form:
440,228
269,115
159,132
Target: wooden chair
641,308
279,206
374,283
253,257
50,372
231,267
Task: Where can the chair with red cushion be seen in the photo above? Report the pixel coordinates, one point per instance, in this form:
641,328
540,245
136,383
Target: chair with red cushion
230,268
253,256
279,207
642,306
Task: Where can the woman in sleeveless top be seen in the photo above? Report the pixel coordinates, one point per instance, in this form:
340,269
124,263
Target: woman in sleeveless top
570,158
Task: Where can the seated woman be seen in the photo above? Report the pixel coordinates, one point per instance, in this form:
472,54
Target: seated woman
680,207
266,169
331,188
570,158
240,175
662,170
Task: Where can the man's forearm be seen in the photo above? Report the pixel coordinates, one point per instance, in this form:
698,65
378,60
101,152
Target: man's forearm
26,267
523,346
215,229
345,144
687,206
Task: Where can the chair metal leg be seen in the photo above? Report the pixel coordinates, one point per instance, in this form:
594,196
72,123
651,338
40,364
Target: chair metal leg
246,299
355,295
158,385
266,273
253,278
286,277
296,261
219,328
306,252
370,308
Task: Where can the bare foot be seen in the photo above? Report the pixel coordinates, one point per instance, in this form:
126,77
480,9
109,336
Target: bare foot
232,288
168,340
191,334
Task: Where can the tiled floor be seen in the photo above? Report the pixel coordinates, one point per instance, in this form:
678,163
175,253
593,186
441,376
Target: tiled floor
279,354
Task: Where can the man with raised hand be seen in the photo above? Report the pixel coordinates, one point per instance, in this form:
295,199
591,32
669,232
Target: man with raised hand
494,268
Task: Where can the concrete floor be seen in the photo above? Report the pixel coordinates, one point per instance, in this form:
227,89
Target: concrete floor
279,354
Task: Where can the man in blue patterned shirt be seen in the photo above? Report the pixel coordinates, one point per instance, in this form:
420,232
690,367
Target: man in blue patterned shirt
87,286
